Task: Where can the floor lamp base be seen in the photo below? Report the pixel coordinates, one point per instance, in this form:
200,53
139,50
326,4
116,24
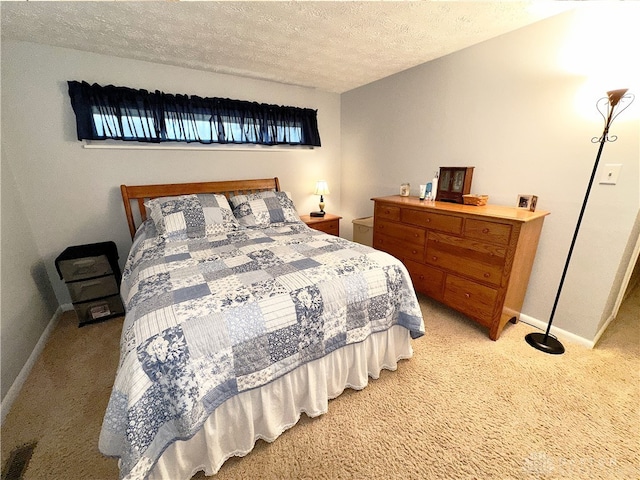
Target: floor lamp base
548,345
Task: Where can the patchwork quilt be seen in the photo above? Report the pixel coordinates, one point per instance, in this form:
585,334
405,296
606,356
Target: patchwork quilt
210,317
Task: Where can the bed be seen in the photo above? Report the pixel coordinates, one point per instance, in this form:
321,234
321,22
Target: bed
239,318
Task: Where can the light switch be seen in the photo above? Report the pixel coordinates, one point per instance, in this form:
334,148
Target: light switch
610,174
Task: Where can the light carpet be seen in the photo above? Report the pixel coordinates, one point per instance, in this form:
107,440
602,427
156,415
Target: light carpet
462,407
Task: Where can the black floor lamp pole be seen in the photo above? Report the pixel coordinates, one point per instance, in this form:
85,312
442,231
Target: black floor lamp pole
545,342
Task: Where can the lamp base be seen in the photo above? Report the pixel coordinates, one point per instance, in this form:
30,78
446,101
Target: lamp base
549,345
317,214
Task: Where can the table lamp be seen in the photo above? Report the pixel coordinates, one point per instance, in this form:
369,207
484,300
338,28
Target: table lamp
321,189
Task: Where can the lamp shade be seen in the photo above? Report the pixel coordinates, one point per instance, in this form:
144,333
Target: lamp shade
322,188
616,95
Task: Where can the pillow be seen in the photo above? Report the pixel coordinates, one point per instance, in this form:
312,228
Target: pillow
263,209
191,216
218,217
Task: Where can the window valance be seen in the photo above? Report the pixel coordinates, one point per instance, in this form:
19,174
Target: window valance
121,113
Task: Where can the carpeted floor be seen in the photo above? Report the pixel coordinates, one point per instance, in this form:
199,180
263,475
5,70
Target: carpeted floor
462,407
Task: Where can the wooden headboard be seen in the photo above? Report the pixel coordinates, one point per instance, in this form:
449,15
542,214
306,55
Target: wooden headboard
140,193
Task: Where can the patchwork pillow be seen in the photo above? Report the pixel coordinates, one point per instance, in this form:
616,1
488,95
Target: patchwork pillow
263,209
191,216
218,217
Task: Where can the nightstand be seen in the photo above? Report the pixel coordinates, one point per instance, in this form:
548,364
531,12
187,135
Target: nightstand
92,276
327,224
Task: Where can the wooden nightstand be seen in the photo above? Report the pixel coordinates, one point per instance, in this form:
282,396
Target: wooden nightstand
327,224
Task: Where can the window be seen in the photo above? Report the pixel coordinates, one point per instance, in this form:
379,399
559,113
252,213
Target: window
138,115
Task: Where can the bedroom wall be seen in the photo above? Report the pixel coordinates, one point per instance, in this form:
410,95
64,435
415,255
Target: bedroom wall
71,194
27,300
56,193
511,108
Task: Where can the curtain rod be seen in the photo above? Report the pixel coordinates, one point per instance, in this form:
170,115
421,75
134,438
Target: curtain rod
218,147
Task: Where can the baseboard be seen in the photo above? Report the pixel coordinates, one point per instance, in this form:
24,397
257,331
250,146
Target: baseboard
556,332
17,384
603,328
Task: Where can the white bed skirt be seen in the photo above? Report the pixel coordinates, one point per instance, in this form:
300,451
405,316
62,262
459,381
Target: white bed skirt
234,427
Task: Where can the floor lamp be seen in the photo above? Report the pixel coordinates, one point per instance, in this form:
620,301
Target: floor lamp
609,107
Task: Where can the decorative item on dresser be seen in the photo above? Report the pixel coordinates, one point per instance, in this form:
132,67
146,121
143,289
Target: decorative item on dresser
328,223
528,202
92,275
476,259
453,183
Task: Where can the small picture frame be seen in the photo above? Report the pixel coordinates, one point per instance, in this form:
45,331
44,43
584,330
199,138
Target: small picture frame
527,202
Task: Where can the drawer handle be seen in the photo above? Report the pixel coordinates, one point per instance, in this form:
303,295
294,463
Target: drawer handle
83,262
434,258
414,251
421,277
468,295
487,275
89,284
416,235
428,220
485,230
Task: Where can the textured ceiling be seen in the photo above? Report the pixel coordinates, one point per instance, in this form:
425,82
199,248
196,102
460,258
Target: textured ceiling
329,45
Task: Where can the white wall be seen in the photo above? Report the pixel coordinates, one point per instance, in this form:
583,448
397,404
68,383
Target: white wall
56,193
28,302
71,195
508,108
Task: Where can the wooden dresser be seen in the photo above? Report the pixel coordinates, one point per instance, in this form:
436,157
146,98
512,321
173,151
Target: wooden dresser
475,259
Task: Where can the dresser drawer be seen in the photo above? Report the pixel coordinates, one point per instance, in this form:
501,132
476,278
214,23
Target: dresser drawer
470,298
487,231
84,290
98,309
432,221
85,267
403,232
387,212
332,227
479,260
398,248
427,280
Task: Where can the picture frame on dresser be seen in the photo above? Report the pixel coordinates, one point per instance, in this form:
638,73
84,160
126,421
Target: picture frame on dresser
527,202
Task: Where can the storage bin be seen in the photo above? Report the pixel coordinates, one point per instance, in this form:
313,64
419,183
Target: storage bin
363,231
92,275
99,309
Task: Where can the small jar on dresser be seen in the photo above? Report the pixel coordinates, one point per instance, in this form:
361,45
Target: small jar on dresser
92,275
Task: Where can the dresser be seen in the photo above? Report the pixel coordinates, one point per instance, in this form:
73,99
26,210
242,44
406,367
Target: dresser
475,259
327,224
92,276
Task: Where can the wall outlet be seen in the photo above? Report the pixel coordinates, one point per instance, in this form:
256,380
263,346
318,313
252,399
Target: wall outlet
610,174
